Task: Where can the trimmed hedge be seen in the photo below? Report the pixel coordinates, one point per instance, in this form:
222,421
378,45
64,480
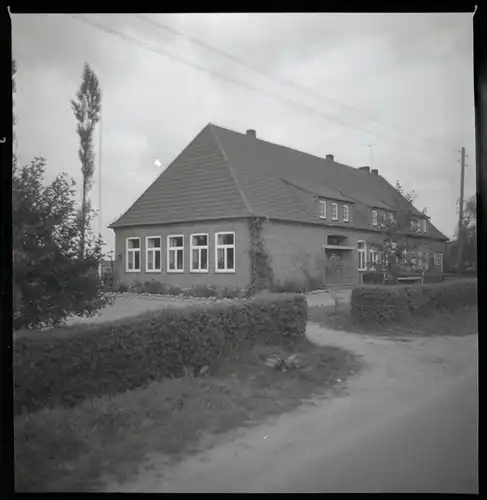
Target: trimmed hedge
383,304
67,365
373,277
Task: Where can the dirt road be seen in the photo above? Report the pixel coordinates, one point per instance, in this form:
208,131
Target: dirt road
407,424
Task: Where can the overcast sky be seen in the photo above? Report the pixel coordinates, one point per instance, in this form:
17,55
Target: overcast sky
401,83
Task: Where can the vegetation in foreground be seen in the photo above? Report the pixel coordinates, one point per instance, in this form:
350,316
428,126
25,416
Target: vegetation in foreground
107,438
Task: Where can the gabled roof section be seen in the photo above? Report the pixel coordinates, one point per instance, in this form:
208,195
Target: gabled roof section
198,184
224,174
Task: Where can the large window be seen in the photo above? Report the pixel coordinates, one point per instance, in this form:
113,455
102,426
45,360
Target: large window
322,209
374,217
345,213
153,253
199,253
225,252
334,211
362,256
133,255
175,254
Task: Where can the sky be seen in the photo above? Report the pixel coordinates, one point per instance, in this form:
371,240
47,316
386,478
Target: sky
394,91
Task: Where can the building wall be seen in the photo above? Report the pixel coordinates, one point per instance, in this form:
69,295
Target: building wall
293,246
240,278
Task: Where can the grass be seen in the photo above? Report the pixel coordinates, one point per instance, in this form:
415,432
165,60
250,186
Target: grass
108,438
439,323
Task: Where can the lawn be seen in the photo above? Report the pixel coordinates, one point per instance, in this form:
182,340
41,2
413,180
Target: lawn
108,438
460,323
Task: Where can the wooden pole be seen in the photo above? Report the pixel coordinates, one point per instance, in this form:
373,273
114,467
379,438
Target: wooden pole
460,218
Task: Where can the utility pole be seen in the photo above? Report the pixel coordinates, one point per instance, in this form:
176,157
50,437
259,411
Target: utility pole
460,219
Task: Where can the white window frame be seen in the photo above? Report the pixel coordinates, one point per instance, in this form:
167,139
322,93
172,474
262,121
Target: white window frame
133,251
153,250
334,211
362,251
345,213
374,217
224,246
174,250
440,255
423,225
199,248
322,206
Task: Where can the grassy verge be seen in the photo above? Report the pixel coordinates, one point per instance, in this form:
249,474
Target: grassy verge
77,449
460,323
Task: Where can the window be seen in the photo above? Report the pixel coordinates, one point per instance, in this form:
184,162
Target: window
133,255
334,211
391,217
420,260
374,258
199,253
153,253
175,253
414,261
438,258
374,217
362,253
322,209
427,261
414,224
225,252
345,213
383,217
423,225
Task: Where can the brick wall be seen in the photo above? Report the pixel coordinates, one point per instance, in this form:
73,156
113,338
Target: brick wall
240,278
291,244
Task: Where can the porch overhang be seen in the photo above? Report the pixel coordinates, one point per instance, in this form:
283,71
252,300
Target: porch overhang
338,247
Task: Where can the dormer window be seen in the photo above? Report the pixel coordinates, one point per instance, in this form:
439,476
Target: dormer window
322,209
374,217
334,211
345,213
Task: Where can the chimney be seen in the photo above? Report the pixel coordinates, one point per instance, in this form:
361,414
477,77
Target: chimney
251,133
329,157
365,169
374,171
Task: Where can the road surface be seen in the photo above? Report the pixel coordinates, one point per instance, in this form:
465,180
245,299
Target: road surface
408,424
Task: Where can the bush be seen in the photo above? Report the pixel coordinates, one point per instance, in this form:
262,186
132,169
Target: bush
120,287
381,304
372,278
174,290
433,277
67,365
288,287
154,287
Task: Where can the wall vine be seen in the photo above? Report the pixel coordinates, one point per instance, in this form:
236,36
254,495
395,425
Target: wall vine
262,275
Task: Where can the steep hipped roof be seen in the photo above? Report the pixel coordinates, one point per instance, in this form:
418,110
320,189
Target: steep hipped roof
225,174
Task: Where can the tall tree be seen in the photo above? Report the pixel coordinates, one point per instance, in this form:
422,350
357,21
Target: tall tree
14,120
396,243
86,108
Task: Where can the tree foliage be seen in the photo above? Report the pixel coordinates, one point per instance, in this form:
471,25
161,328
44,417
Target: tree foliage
51,281
86,108
396,243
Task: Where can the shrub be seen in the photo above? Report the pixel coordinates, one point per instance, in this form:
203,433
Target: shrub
174,290
154,287
120,287
373,278
288,286
433,277
380,304
67,365
376,303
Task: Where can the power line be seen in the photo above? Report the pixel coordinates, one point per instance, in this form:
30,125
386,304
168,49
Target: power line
280,80
224,77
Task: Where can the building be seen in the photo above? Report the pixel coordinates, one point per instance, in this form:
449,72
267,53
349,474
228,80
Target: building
321,218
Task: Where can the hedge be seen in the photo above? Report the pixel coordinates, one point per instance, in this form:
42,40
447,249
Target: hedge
64,366
392,303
